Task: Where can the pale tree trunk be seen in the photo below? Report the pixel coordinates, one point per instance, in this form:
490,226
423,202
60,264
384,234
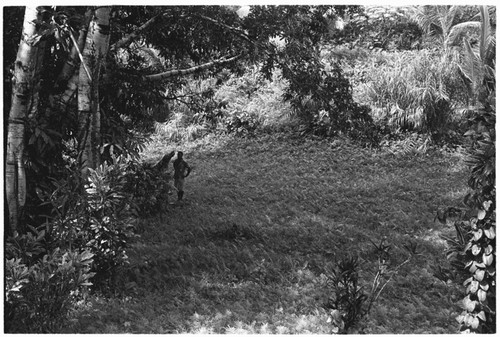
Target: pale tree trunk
22,95
94,55
73,60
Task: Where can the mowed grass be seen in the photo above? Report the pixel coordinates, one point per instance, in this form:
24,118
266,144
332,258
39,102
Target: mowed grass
262,220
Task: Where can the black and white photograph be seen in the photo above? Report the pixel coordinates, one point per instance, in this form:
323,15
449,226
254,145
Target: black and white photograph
231,168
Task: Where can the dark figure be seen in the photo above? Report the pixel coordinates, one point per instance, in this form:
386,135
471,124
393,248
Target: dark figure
181,171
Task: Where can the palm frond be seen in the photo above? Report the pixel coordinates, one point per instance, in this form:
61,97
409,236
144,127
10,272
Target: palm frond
459,31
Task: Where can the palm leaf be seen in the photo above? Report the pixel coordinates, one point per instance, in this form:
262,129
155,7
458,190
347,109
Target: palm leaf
471,66
485,31
459,31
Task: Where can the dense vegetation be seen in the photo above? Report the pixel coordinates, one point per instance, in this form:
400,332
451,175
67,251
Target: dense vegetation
324,141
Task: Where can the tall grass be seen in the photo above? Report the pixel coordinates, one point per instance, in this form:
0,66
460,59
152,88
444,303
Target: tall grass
410,90
253,95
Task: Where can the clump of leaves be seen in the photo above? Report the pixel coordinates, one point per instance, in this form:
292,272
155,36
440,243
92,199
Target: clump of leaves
347,305
323,99
242,124
149,185
40,285
349,302
98,215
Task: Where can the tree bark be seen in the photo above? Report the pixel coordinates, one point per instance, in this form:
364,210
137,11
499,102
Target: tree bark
94,55
22,96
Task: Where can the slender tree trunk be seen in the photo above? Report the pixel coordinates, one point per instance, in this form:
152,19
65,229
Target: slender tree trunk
94,55
22,96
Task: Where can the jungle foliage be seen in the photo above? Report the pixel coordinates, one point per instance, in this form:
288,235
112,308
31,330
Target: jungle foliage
407,80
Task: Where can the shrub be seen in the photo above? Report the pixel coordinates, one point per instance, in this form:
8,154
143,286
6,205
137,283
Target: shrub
41,286
348,301
98,216
316,90
242,124
110,217
480,252
348,305
148,186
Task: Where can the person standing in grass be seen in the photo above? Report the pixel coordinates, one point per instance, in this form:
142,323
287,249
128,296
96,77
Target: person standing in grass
181,171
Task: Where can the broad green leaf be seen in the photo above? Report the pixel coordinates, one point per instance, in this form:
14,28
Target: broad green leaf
473,287
487,204
478,234
485,286
468,304
487,259
474,323
475,250
490,233
481,295
479,274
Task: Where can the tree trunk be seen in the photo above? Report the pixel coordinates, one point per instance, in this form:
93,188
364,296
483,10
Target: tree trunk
73,59
22,97
94,54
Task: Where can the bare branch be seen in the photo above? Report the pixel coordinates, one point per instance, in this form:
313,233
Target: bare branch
182,72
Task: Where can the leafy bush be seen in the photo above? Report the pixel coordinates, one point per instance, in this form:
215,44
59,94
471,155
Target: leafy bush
315,89
110,216
149,187
46,271
98,216
480,252
242,124
348,301
456,251
41,286
348,305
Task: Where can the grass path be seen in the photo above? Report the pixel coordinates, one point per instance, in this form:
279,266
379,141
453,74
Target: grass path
262,220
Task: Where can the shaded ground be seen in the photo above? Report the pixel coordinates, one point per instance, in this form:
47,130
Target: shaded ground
263,218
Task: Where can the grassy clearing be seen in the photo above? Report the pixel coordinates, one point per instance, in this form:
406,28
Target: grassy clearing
263,217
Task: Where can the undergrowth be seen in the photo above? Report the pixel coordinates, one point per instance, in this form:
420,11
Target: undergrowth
249,250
